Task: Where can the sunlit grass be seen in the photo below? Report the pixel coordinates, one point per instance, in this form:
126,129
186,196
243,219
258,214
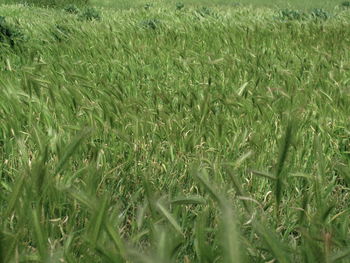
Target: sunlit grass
206,134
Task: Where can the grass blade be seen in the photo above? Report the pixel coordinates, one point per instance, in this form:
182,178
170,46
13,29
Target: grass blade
341,255
280,164
70,149
117,240
40,238
15,195
277,248
189,200
230,237
170,218
98,221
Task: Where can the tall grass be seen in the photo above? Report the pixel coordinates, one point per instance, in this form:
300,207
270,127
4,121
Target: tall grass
203,138
47,3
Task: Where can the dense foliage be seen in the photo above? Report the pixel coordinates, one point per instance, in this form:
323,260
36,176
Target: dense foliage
174,133
48,3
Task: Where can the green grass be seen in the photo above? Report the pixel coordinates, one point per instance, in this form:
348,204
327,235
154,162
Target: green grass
299,4
46,3
216,134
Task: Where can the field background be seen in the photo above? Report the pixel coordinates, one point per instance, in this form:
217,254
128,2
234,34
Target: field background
256,3
156,132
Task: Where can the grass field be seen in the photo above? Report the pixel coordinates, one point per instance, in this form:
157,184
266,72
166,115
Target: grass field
168,133
299,4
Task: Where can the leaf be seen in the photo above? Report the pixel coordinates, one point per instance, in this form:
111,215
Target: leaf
277,248
39,236
189,200
170,218
2,248
117,240
98,220
264,174
82,198
71,148
15,195
280,164
230,236
340,255
203,251
213,192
